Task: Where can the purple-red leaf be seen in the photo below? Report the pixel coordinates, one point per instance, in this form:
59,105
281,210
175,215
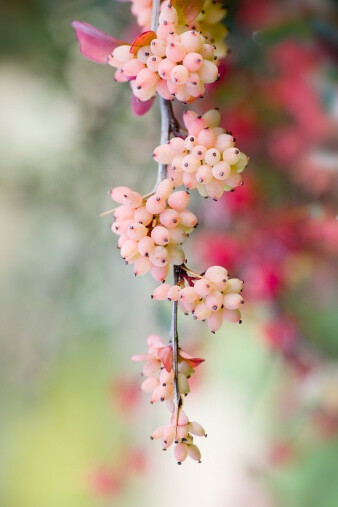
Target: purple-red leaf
187,10
140,108
142,40
166,356
95,44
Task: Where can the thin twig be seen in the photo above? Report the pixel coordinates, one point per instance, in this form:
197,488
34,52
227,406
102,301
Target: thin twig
169,125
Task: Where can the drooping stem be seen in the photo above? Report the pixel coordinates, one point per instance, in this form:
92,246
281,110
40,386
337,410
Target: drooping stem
174,341
169,125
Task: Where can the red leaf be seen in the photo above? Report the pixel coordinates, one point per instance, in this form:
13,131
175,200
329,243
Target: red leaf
95,44
140,108
166,356
187,10
142,40
192,361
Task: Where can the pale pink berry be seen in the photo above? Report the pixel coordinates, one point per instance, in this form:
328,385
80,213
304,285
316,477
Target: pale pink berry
231,155
158,47
177,162
215,321
203,287
165,188
181,420
241,163
175,52
122,53
170,218
137,231
142,216
123,213
188,118
158,433
179,200
196,429
193,80
204,174
177,235
142,94
120,76
160,235
141,266
231,315
164,30
196,126
232,301
153,63
217,275
169,433
207,51
188,295
151,367
199,151
159,273
176,255
221,170
175,175
174,293
161,292
196,91
208,72
212,156
183,385
212,117
129,248
155,204
119,194
143,54
224,141
146,246
189,180
163,90
159,256
233,285
215,189
189,143
121,241
193,61
191,40
207,137
177,145
190,164
149,384
194,452
233,180
201,312
188,218
146,79
179,74
181,452
214,301
133,67
163,154
165,67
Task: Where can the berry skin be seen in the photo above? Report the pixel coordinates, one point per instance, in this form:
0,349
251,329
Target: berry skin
146,246
179,200
170,218
160,235
155,204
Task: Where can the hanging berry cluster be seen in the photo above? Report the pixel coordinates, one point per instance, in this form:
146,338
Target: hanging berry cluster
174,62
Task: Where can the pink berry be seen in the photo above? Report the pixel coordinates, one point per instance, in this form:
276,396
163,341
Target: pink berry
174,293
146,246
231,315
161,292
155,204
162,89
188,218
189,295
165,67
224,141
177,145
137,231
232,301
203,287
170,218
165,188
143,54
231,155
133,67
142,266
159,256
158,47
212,156
179,74
199,151
175,52
214,301
215,321
207,137
215,189
129,249
221,171
208,72
189,180
159,273
142,216
191,40
160,235
176,255
179,200
204,174
193,61
153,63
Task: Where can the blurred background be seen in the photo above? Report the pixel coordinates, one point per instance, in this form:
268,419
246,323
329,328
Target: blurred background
74,429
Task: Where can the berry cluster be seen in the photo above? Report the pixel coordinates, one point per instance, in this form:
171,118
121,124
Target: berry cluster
206,159
174,66
213,297
152,228
160,382
207,21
